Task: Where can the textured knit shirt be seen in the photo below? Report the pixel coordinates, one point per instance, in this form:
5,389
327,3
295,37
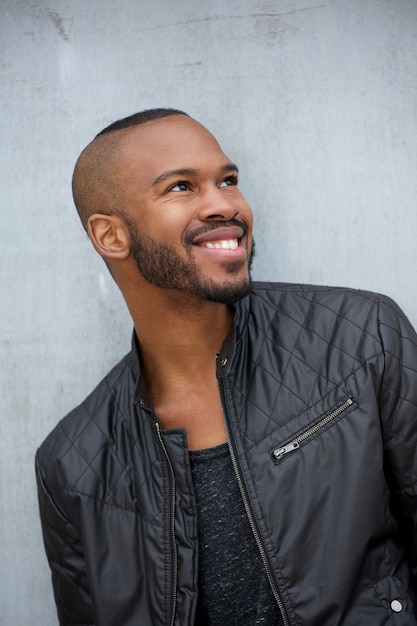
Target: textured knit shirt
233,586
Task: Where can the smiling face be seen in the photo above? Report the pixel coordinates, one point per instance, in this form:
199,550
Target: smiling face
190,227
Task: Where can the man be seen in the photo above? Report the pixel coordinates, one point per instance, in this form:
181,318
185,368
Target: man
253,459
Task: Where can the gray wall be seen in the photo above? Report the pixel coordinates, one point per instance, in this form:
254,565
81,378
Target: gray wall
315,100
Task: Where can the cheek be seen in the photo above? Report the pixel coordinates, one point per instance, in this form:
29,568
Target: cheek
245,208
247,215
165,226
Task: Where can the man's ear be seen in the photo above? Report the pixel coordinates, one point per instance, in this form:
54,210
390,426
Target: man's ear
109,236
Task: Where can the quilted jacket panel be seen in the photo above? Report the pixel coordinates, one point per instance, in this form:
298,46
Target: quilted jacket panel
335,512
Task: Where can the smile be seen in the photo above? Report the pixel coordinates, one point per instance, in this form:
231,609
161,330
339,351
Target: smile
224,244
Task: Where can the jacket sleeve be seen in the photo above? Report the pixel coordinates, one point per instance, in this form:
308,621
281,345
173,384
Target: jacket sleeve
66,560
398,410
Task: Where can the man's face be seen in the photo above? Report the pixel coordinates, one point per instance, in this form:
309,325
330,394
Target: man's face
190,227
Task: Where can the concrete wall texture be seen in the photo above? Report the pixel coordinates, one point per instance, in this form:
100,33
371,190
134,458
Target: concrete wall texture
316,100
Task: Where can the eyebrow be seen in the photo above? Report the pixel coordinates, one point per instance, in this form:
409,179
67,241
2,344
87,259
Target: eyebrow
190,171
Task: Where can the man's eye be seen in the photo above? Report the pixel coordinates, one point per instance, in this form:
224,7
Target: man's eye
229,181
181,186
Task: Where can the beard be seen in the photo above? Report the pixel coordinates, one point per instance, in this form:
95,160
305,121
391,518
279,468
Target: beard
161,266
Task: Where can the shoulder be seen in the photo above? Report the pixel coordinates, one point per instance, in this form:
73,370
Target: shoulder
353,304
83,434
311,293
324,310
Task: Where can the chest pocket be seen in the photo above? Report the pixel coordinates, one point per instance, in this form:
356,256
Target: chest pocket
313,430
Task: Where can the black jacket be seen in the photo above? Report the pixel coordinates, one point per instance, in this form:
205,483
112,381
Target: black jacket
319,392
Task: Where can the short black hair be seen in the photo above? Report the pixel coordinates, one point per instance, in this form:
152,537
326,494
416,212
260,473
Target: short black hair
95,185
140,118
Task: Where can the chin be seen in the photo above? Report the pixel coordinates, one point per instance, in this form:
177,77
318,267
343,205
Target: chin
226,293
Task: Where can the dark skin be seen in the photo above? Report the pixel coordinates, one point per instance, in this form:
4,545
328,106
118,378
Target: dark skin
175,178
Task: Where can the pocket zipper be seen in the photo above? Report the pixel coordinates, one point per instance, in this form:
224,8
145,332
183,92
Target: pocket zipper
295,443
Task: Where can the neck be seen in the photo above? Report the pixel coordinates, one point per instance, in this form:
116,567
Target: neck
178,335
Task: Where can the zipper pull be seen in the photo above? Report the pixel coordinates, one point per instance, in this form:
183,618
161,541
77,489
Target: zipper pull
290,447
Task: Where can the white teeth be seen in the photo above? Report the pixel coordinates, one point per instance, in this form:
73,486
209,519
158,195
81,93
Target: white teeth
226,244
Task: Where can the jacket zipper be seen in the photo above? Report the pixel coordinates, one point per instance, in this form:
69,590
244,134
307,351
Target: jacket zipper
173,539
294,444
250,515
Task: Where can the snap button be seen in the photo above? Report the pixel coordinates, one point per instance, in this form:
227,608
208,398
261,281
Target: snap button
224,361
396,606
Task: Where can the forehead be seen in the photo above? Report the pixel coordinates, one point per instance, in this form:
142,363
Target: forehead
169,143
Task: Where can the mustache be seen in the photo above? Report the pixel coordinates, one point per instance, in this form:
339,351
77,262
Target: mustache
207,228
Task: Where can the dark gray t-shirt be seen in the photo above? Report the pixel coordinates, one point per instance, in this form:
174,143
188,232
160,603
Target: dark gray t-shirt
233,588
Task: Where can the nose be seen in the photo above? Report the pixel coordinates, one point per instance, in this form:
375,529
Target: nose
218,204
